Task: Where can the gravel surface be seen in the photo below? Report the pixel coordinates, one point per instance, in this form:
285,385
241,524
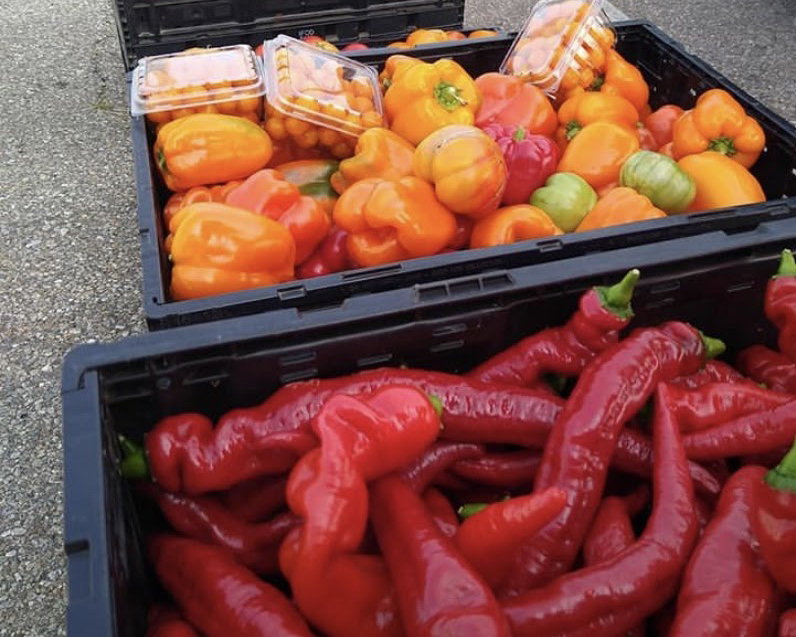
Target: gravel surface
69,263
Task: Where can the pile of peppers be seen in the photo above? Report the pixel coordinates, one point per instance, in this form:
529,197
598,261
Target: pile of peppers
593,478
458,162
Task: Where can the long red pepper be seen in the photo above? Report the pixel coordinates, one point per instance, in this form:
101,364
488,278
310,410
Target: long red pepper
787,624
218,595
440,508
711,372
576,458
438,457
256,500
773,369
725,589
506,470
602,313
438,592
611,597
780,305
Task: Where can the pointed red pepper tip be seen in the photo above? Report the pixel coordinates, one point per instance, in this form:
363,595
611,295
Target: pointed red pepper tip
787,264
783,476
616,298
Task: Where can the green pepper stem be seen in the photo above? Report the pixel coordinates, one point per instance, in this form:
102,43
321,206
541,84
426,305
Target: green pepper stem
787,264
134,465
571,129
783,476
468,510
723,145
448,96
598,82
616,298
519,134
713,346
161,159
436,403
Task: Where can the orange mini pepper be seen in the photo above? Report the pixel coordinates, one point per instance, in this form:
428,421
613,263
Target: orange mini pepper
210,148
268,193
379,153
425,97
512,224
466,167
720,182
216,249
620,205
598,152
509,101
586,108
718,122
391,220
623,79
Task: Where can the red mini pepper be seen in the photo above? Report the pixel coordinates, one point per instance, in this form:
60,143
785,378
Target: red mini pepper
441,510
787,624
218,595
780,304
602,313
725,590
611,597
775,370
507,470
438,592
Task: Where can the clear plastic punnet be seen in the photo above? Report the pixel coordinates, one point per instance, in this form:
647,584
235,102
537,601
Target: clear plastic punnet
562,45
225,80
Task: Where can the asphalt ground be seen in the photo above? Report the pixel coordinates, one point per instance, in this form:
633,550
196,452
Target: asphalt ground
69,262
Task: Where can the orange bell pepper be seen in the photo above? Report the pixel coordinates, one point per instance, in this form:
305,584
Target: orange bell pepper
426,36
512,224
720,182
482,33
209,149
425,97
197,194
466,167
661,123
620,205
718,122
598,152
586,108
268,193
623,79
391,220
394,64
509,101
216,249
379,153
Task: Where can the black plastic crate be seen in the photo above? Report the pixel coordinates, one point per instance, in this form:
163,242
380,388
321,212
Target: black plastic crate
674,76
152,27
448,325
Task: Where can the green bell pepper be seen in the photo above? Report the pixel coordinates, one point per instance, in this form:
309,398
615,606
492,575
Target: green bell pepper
566,198
660,179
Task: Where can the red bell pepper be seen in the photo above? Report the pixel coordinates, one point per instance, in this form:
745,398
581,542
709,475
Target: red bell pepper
329,257
725,589
780,304
438,457
441,510
775,370
507,470
530,160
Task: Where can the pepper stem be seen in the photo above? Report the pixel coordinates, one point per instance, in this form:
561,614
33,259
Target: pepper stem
787,265
448,96
723,145
134,465
616,298
436,403
469,510
598,82
519,134
783,476
161,159
571,129
713,346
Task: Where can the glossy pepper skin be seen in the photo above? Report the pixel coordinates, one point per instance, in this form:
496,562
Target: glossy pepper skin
422,98
511,224
530,160
256,500
720,182
711,372
623,79
508,470
216,248
661,123
725,589
466,167
269,194
598,152
210,148
436,459
508,101
660,179
764,365
610,390
780,304
621,205
441,511
566,198
313,179
197,194
613,596
329,257
787,624
392,220
718,123
589,107
219,596
417,553
379,153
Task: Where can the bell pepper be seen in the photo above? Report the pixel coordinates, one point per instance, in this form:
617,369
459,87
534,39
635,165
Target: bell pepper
426,36
661,123
530,160
466,167
509,101
660,179
197,194
512,224
210,148
393,65
719,123
720,182
646,139
566,198
621,205
392,220
216,249
598,152
313,179
379,153
623,79
268,193
423,98
586,108
329,257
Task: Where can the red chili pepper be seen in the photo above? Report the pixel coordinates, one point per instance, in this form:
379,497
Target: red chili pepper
205,519
725,589
166,622
438,457
329,257
775,521
787,624
576,458
775,370
704,512
218,595
441,510
489,538
759,432
602,313
438,592
780,304
711,372
611,597
256,500
507,470
768,460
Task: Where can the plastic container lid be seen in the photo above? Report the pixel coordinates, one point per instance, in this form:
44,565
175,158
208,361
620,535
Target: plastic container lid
559,36
319,87
195,78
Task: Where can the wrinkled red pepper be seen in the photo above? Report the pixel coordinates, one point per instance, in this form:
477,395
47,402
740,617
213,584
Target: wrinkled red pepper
775,370
438,457
507,470
780,306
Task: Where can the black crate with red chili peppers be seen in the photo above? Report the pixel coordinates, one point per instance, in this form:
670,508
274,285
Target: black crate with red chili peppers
496,412
674,76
